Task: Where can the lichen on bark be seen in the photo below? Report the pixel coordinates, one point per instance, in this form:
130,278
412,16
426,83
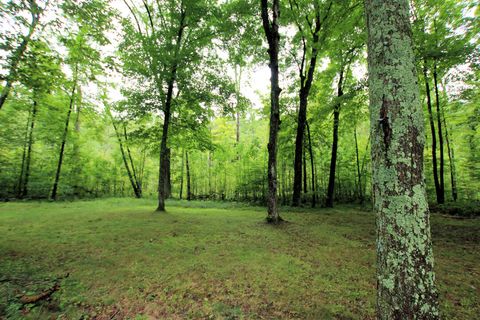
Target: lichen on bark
405,277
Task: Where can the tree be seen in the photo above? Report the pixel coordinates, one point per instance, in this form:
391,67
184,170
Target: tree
273,38
405,276
17,54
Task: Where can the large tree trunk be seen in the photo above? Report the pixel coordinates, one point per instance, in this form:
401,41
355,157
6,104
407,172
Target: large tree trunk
405,276
273,38
64,141
441,199
312,165
333,159
433,133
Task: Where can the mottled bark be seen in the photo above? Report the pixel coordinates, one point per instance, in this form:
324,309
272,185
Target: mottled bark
273,39
333,158
405,276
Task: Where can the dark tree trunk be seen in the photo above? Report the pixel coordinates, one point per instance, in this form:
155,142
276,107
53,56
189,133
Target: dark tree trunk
76,147
304,165
163,175
451,160
189,189
333,159
29,150
181,176
306,79
131,178
441,199
433,133
405,277
273,38
136,178
359,173
64,141
312,165
24,156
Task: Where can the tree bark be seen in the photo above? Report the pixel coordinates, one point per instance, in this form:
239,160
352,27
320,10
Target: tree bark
451,160
441,199
312,165
405,276
24,157
29,150
333,159
181,175
304,165
163,175
273,38
64,140
433,133
306,79
189,188
19,52
359,173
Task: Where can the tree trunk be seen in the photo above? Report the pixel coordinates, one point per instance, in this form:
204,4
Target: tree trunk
24,156
164,172
29,150
64,140
189,189
19,52
433,133
138,192
312,165
76,147
304,165
359,173
333,159
451,160
273,38
181,175
124,157
441,199
405,276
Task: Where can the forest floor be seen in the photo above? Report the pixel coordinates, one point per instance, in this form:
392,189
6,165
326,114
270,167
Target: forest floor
210,261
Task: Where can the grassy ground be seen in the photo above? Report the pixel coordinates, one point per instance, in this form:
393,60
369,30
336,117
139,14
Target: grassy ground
124,261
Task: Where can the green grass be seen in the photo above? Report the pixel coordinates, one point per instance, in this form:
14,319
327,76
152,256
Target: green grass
201,262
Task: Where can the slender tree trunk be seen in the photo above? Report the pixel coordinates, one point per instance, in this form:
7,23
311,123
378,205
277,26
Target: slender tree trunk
359,173
136,179
64,141
76,146
273,38
333,159
304,165
29,150
405,276
181,175
124,157
440,135
312,165
451,155
433,133
306,79
164,172
19,52
19,187
189,189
